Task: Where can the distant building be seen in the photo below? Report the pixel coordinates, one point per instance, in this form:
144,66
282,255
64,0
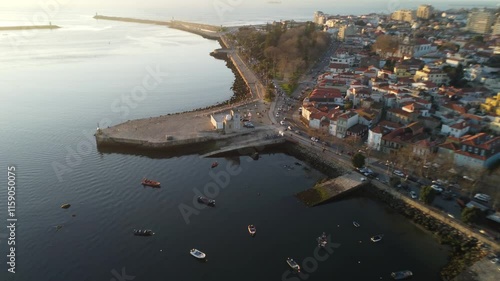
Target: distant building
425,11
404,15
480,21
346,30
496,27
319,18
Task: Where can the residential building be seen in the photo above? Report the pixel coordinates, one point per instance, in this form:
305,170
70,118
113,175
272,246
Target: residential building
319,17
492,105
435,75
477,151
340,124
455,129
480,21
346,30
401,116
343,58
414,48
425,11
401,137
404,15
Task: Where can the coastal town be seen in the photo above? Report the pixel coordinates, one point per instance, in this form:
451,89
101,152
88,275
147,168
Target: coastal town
414,93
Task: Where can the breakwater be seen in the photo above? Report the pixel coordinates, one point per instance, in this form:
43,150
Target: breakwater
204,30
28,27
124,19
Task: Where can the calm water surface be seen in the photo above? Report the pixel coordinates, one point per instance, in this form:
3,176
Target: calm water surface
57,85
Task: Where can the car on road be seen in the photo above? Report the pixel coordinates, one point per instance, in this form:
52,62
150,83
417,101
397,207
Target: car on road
282,122
314,139
413,195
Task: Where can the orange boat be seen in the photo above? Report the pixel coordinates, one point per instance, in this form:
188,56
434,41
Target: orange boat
151,183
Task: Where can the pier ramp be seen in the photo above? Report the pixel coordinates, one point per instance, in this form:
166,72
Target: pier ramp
331,189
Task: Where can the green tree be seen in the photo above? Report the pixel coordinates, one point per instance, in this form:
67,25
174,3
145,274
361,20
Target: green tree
427,194
358,160
471,215
394,181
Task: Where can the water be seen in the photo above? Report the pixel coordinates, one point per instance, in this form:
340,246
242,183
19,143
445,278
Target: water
57,85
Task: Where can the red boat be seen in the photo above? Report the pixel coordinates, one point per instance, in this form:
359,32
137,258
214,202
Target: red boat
151,183
215,164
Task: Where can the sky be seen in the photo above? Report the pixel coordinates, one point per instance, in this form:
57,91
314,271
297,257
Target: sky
250,3
187,4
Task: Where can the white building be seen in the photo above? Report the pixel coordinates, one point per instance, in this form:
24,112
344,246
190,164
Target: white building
456,129
375,138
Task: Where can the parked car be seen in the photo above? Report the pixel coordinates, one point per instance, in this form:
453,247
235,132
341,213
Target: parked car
413,195
484,198
399,173
437,188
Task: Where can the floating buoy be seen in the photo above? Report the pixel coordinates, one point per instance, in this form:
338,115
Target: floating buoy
65,206
359,261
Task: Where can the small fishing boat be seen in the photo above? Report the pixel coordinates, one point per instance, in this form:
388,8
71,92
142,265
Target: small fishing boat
294,265
400,275
65,206
149,182
252,230
206,201
145,232
355,223
377,238
215,164
322,240
197,254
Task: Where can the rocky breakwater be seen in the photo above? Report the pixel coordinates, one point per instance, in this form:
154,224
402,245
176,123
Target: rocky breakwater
465,250
28,27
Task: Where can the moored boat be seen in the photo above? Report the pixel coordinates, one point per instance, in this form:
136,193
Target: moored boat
294,265
145,232
149,182
206,201
355,223
376,238
252,229
215,164
197,254
65,206
400,275
322,240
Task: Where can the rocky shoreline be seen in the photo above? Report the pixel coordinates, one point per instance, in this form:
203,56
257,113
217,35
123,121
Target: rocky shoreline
464,251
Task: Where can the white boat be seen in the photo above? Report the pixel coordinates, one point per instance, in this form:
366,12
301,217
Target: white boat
399,275
252,229
294,265
377,238
355,223
197,254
